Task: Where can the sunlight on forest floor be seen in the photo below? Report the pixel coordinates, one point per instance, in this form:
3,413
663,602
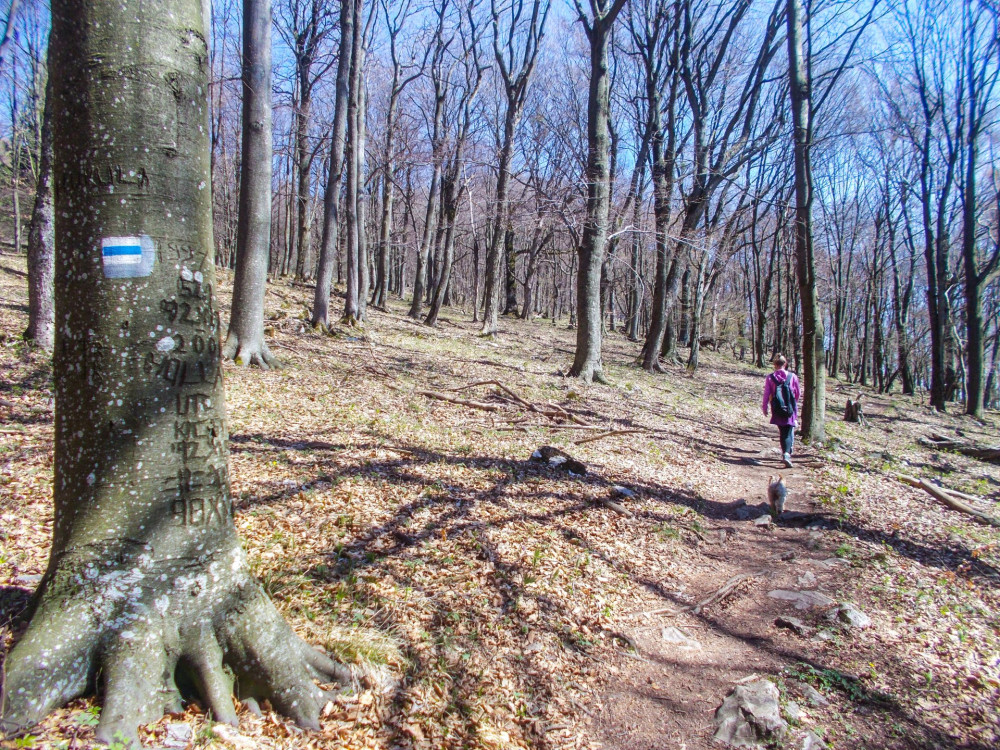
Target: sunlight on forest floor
494,599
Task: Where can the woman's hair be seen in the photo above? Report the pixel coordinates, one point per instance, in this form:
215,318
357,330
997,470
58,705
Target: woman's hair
779,360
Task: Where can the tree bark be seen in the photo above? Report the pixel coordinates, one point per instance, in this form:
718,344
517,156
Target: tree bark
41,247
813,354
331,197
146,583
587,363
245,340
352,306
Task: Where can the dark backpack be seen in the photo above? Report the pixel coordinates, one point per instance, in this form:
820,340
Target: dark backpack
782,402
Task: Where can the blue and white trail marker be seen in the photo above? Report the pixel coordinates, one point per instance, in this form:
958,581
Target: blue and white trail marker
127,257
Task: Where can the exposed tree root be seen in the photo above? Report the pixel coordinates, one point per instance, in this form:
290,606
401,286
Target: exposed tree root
141,623
249,354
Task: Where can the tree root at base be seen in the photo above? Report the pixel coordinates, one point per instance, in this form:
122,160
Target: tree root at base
137,626
249,354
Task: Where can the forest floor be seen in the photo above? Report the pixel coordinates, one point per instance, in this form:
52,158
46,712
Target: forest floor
495,601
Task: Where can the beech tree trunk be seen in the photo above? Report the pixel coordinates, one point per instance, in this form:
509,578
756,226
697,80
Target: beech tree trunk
146,577
587,363
813,353
245,340
331,198
352,308
41,248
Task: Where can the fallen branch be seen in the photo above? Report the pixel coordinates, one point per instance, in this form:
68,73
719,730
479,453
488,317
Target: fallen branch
616,507
948,499
938,442
459,401
696,609
612,433
553,427
558,413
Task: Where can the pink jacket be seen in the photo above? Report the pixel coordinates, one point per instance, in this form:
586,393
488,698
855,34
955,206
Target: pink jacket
770,387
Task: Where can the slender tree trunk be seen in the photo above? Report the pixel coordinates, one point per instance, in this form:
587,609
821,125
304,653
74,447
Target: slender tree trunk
814,366
147,586
510,272
697,310
303,194
423,252
587,363
352,310
41,247
364,268
245,340
381,295
494,278
330,243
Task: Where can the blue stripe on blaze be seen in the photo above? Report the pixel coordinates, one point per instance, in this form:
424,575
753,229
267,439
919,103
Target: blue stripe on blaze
122,250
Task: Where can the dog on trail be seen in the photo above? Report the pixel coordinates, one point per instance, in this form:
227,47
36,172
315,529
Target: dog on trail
776,494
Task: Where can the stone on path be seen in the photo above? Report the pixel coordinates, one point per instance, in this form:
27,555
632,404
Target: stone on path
749,715
676,637
762,521
802,599
811,742
850,617
810,694
807,580
625,492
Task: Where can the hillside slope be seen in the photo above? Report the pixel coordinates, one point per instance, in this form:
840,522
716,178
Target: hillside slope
497,601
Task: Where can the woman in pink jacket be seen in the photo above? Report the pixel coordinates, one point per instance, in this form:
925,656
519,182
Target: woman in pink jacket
781,396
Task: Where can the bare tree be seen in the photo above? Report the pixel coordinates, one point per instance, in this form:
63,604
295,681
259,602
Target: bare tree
331,198
440,71
245,339
403,74
517,39
451,189
587,363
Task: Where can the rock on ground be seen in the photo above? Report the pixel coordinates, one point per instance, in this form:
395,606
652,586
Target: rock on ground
802,599
749,715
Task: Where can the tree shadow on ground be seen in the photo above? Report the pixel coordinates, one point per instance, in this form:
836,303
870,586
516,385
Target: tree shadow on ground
14,602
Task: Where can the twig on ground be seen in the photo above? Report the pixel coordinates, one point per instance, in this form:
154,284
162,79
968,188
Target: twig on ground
696,609
612,433
459,401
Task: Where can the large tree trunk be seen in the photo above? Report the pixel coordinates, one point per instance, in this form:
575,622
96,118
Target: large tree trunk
331,198
813,354
587,363
146,582
352,307
697,311
245,339
41,248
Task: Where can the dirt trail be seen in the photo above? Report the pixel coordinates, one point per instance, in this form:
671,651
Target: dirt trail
667,695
